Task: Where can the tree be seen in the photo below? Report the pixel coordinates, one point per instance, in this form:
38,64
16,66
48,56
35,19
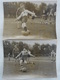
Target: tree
42,7
15,51
30,6
53,47
13,44
7,48
42,51
25,46
36,49
47,50
20,46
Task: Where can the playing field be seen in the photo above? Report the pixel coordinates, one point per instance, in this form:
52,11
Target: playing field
43,67
37,30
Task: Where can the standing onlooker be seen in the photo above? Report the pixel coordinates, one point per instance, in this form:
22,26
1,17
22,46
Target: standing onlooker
53,55
9,56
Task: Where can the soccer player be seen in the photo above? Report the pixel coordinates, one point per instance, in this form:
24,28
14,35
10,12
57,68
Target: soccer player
23,17
24,55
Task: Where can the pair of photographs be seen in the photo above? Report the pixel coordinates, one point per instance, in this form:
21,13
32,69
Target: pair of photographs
29,39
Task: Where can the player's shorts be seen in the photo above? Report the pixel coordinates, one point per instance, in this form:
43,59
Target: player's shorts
33,17
21,62
23,25
25,61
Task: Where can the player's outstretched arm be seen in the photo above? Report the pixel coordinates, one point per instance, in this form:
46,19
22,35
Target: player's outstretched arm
19,17
18,55
32,13
29,53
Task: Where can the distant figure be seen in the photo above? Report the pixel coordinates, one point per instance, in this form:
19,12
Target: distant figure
44,15
51,14
53,55
15,52
23,17
55,16
9,56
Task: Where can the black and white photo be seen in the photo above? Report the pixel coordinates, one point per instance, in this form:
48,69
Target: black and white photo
30,20
29,59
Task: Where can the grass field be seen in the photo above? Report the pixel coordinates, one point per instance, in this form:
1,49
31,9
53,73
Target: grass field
43,68
37,30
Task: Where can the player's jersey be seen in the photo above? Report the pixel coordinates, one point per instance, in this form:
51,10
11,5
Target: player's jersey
24,54
24,13
23,16
24,19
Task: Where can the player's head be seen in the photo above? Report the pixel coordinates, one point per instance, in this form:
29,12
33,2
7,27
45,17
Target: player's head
24,49
22,6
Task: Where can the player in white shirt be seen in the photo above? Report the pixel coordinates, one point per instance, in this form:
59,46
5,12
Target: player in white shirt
23,17
24,55
23,61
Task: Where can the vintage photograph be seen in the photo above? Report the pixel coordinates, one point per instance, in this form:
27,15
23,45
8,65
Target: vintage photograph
30,20
24,59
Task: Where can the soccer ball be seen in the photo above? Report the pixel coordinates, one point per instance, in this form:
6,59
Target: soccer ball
24,69
25,33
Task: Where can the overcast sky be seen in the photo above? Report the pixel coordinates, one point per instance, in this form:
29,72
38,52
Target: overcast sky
45,1
32,42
